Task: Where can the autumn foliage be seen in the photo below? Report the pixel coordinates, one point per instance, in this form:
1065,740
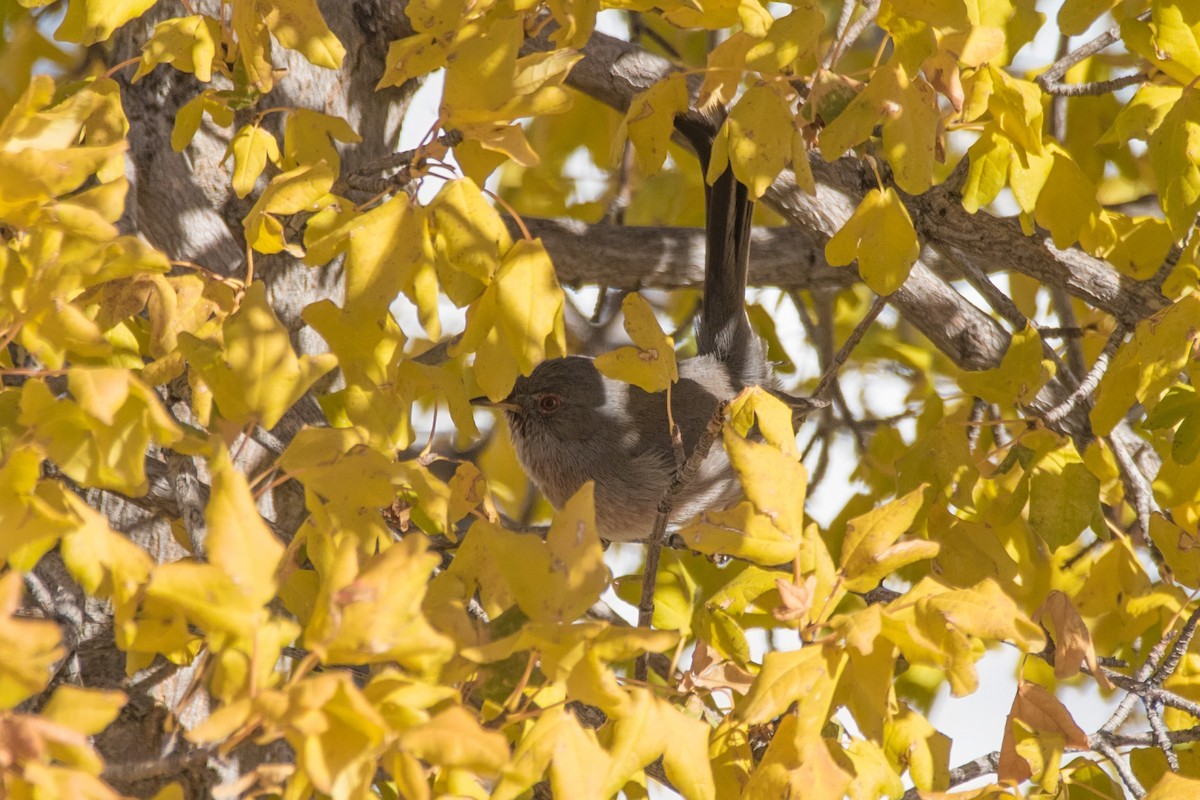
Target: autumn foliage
253,542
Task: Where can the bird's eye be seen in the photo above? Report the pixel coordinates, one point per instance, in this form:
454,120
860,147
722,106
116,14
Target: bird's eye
549,403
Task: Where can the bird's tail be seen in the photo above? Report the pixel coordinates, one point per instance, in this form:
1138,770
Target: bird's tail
724,329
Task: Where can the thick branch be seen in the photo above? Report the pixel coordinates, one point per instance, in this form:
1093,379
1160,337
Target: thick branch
613,71
632,257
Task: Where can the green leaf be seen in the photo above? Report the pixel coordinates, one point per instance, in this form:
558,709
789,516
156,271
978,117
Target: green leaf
1064,497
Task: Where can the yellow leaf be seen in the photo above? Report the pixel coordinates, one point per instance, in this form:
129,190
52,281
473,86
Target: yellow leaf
253,44
308,138
29,649
790,38
651,120
756,406
1177,546
932,627
1146,365
369,609
436,17
988,173
881,236
806,677
1174,787
254,374
299,26
556,741
386,247
336,733
530,304
1067,204
251,148
1016,108
553,581
650,363
1076,16
1142,115
187,43
740,532
87,711
774,481
412,57
102,440
291,192
726,65
454,738
239,542
907,108
1168,40
106,564
755,140
1175,158
30,512
90,21
1064,497
469,238
1028,173
873,776
909,740
798,764
870,551
191,114
1021,374
479,79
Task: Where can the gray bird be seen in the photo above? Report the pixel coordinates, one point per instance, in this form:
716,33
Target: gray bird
570,424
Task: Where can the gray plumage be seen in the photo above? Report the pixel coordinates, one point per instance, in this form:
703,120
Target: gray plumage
570,424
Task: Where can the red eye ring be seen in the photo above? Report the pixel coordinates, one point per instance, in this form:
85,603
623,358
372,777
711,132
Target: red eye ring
549,403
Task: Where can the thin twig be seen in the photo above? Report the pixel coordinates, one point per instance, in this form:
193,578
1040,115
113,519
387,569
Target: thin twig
979,409
1066,315
984,765
1006,308
1101,745
1154,716
855,337
851,34
1051,79
1091,380
679,482
1136,484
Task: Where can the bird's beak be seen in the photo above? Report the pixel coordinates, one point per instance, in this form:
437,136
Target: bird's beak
506,405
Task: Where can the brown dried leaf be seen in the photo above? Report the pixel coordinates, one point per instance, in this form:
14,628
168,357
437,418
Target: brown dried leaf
1072,640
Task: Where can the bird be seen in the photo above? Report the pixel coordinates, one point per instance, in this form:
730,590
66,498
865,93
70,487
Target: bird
570,424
